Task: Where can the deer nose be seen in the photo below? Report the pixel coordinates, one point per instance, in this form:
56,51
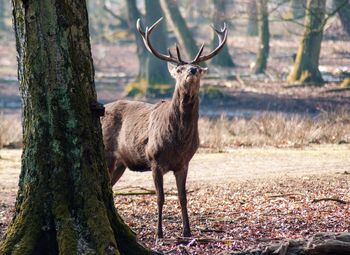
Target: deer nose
193,70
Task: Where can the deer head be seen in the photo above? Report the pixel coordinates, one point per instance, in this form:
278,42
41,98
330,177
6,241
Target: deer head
186,73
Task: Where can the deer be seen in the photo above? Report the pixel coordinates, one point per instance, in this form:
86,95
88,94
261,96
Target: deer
159,137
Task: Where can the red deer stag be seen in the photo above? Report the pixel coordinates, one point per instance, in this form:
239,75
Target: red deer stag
159,137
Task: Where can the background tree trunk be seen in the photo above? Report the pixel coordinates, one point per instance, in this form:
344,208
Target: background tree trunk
178,24
252,28
305,67
65,202
297,9
223,58
2,15
264,36
344,14
154,79
133,15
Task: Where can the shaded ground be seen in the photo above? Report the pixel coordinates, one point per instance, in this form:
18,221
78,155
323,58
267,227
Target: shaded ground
236,199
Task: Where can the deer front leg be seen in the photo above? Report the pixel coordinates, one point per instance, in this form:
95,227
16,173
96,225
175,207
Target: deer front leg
181,177
158,182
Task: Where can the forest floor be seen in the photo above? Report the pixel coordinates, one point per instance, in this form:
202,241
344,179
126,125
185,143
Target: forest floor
236,199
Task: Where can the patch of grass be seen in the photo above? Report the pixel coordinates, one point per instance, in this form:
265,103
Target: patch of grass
210,93
275,129
142,88
10,131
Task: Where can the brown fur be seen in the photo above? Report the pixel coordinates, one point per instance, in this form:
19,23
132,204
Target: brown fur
156,137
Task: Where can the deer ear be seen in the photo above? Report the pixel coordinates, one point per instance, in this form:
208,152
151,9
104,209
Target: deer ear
204,70
172,69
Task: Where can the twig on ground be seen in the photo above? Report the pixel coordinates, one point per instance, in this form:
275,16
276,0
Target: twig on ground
206,230
134,191
329,199
285,195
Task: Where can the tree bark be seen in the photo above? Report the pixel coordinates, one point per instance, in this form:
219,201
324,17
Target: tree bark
178,24
64,203
297,9
252,28
305,69
133,15
2,15
318,244
344,14
264,37
154,79
223,58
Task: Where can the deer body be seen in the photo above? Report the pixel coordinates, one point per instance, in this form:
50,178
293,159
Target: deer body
166,133
158,137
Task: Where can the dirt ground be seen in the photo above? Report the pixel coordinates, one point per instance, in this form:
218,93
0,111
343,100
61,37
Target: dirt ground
236,199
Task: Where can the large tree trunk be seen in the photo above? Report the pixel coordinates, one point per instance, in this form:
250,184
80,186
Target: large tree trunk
344,13
178,24
154,79
64,203
305,67
264,36
252,28
224,58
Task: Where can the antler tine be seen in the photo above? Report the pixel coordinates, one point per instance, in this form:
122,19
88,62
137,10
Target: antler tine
169,52
146,39
222,35
178,54
198,54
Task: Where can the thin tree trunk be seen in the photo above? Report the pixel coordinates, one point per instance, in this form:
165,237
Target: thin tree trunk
64,203
178,24
344,14
252,28
297,8
133,15
305,67
223,58
2,15
264,36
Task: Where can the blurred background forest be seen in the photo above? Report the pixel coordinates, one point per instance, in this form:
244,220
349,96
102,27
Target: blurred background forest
282,80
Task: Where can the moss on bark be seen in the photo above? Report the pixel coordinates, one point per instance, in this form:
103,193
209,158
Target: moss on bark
64,202
264,36
305,69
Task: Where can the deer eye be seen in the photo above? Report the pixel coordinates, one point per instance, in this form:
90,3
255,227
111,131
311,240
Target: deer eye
179,70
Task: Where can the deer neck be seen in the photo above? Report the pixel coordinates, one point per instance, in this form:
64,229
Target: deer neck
185,108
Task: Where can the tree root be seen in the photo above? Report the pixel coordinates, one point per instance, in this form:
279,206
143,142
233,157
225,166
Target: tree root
319,244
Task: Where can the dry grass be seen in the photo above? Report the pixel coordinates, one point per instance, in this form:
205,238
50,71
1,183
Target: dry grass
219,134
275,129
10,131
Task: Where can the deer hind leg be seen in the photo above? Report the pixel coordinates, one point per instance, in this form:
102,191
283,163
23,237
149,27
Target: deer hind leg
181,177
158,182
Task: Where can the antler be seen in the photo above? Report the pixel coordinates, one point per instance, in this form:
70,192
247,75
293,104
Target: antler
146,40
222,35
